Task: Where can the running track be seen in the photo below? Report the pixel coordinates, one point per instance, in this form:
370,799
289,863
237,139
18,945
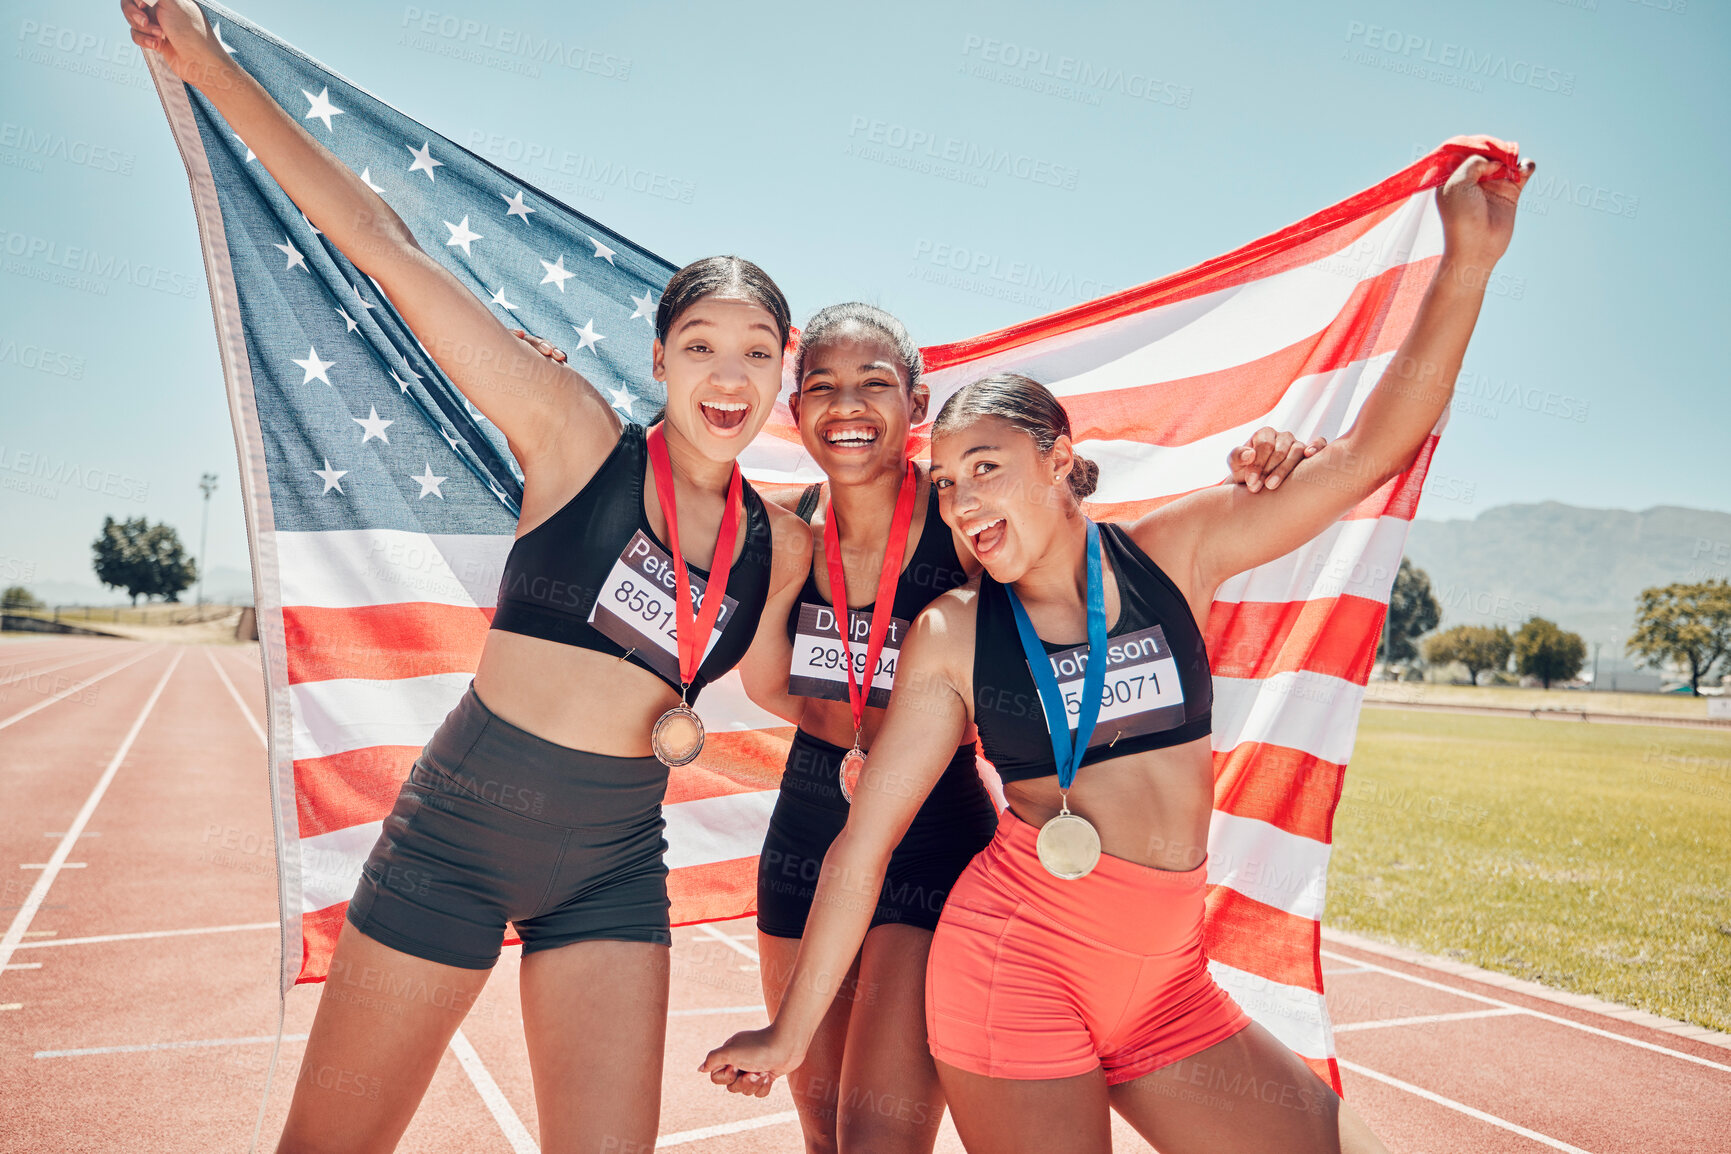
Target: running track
138,1004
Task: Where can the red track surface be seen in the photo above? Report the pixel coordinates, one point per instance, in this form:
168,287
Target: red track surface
179,840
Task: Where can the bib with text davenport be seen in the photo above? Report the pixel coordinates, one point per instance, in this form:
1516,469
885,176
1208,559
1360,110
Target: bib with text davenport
1142,693
820,661
635,607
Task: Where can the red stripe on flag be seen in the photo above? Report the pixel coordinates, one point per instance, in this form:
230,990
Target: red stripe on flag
733,761
350,788
1373,321
1311,239
1334,636
1328,1071
1287,788
319,931
713,892
1248,935
383,642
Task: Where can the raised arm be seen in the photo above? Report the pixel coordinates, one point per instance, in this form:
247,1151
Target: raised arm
927,718
1213,534
537,403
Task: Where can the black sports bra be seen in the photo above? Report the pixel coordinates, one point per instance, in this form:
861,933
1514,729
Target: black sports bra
594,575
1159,690
818,669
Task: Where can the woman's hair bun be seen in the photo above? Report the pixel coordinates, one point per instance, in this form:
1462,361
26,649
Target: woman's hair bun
1084,477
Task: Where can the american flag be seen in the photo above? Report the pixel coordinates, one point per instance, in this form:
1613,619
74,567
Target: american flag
381,505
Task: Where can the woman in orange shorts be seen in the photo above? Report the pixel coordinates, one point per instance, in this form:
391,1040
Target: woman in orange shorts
1067,976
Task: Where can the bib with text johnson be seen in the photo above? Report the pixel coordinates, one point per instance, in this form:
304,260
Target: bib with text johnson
635,608
820,661
1142,693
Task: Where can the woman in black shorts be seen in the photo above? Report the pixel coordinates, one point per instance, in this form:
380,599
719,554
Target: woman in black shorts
538,802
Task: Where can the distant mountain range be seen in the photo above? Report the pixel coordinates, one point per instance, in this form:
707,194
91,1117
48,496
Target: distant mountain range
1582,568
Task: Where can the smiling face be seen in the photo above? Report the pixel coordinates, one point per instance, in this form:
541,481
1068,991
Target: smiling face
996,488
854,407
721,364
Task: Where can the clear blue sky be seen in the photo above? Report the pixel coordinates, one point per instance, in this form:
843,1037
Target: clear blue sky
1597,379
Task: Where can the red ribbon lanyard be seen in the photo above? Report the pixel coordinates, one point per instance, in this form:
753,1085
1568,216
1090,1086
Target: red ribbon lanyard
693,634
882,609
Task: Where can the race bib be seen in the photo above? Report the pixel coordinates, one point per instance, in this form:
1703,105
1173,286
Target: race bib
636,608
820,663
1142,693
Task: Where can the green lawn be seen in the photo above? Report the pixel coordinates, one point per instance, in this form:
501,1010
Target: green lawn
1425,692
1592,858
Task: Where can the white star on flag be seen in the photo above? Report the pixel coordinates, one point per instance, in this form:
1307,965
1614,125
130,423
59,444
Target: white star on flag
429,483
315,368
621,399
499,299
216,28
347,319
586,335
645,308
556,273
331,477
499,493
250,154
359,297
367,179
460,234
518,208
288,249
402,385
602,252
311,225
424,161
374,425
451,439
321,106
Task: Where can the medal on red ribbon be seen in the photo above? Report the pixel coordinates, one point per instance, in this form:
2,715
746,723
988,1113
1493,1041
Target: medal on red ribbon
677,738
853,762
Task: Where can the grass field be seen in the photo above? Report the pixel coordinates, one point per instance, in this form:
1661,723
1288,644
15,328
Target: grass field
1510,696
151,613
1595,859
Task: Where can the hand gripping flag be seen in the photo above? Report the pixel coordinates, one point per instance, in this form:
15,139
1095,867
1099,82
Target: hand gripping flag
381,505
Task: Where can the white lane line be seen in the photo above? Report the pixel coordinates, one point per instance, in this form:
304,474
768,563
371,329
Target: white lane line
62,833
146,1047
235,693
702,1010
76,686
11,1005
1346,970
1492,1119
90,941
1426,1019
710,931
32,674
515,1132
24,965
39,891
1540,1014
42,865
683,1136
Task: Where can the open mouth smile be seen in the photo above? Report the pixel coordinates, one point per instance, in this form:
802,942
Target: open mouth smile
725,414
845,437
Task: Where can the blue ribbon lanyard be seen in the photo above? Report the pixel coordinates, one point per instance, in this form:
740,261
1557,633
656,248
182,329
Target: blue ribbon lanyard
1067,754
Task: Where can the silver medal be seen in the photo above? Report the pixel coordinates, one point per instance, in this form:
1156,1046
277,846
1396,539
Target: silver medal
852,765
1068,845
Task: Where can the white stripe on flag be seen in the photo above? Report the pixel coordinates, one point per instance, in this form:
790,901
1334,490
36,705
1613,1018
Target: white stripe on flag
1310,712
1349,558
713,829
331,864
1265,863
724,706
350,568
341,714
1293,1014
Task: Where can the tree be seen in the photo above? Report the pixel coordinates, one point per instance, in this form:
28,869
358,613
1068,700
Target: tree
1478,647
18,597
142,558
1412,610
1686,624
1551,654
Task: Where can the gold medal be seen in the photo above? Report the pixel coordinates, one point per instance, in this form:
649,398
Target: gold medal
677,738
852,765
1068,845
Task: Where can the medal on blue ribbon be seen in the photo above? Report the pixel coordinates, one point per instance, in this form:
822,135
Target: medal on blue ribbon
1068,845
